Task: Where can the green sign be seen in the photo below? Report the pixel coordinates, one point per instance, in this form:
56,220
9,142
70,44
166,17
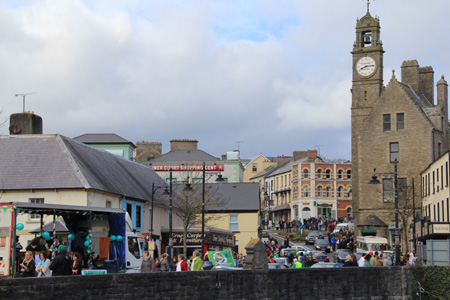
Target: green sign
93,272
221,258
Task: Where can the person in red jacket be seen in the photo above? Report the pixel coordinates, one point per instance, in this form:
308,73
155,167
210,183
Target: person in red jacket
181,264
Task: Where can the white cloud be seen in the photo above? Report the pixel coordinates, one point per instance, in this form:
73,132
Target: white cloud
276,74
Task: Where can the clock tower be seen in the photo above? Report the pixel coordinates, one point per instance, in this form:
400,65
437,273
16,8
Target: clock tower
366,91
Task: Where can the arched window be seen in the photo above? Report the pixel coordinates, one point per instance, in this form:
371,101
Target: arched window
329,191
340,174
349,212
320,191
328,174
305,173
349,174
319,174
305,191
340,192
349,192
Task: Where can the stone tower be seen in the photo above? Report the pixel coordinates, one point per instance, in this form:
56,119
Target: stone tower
399,121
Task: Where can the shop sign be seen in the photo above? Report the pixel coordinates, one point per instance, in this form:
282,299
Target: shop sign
187,168
221,239
441,228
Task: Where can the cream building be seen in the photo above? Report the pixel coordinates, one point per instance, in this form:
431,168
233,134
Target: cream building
255,166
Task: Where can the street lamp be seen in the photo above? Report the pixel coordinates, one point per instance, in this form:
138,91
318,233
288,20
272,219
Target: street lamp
154,189
188,188
169,192
375,180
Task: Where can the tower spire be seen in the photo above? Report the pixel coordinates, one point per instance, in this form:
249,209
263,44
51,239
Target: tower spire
368,5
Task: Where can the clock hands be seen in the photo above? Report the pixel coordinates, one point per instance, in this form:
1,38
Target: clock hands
366,66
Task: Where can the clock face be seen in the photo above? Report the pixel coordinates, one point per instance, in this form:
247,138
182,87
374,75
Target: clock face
366,66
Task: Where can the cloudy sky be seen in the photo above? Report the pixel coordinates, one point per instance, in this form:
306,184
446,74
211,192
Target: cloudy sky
274,74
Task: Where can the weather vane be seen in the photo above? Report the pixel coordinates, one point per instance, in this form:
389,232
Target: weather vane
23,96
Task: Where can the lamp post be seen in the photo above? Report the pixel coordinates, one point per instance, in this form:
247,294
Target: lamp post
154,189
375,180
169,192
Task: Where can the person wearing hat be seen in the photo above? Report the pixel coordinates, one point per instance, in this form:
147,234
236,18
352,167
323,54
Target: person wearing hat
373,259
62,264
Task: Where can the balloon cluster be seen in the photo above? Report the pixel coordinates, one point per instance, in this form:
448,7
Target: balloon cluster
46,235
118,238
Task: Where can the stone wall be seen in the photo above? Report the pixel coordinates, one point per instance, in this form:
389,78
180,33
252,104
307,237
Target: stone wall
343,283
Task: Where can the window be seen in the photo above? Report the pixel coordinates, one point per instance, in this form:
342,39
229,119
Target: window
234,223
434,183
442,177
254,167
394,152
130,210
329,191
388,190
349,174
349,192
386,122
438,214
400,121
108,204
320,191
446,174
402,189
340,192
305,173
305,191
138,216
443,218
37,201
174,180
328,174
341,174
439,149
319,173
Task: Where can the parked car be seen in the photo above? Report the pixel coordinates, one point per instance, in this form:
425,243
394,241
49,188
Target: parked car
312,236
327,265
319,256
322,244
340,255
277,266
295,250
283,261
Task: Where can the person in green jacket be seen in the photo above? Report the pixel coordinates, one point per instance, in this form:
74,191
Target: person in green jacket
296,264
197,263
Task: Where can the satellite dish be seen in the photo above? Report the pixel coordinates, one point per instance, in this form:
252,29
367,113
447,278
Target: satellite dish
14,129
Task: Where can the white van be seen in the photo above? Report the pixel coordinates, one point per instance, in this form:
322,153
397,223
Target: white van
343,226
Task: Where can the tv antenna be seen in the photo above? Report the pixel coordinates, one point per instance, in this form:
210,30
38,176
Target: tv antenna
23,96
238,143
318,148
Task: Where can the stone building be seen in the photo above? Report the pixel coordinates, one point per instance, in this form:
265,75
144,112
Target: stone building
400,121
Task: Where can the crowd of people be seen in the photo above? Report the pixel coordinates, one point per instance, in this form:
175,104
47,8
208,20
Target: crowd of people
62,264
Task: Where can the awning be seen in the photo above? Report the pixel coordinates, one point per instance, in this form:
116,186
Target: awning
281,207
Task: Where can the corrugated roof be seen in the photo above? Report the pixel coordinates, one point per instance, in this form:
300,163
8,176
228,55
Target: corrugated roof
186,155
57,162
102,138
236,196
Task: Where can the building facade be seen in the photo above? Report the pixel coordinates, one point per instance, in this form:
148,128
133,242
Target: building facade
399,123
323,189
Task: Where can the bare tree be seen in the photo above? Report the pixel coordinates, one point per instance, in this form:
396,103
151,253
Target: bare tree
2,122
188,206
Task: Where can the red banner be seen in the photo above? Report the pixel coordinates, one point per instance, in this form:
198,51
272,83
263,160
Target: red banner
187,168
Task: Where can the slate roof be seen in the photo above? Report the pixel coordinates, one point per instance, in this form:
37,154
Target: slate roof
372,220
102,138
185,155
236,196
266,171
36,162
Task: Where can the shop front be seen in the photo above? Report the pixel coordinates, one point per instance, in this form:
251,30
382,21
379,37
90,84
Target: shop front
215,239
